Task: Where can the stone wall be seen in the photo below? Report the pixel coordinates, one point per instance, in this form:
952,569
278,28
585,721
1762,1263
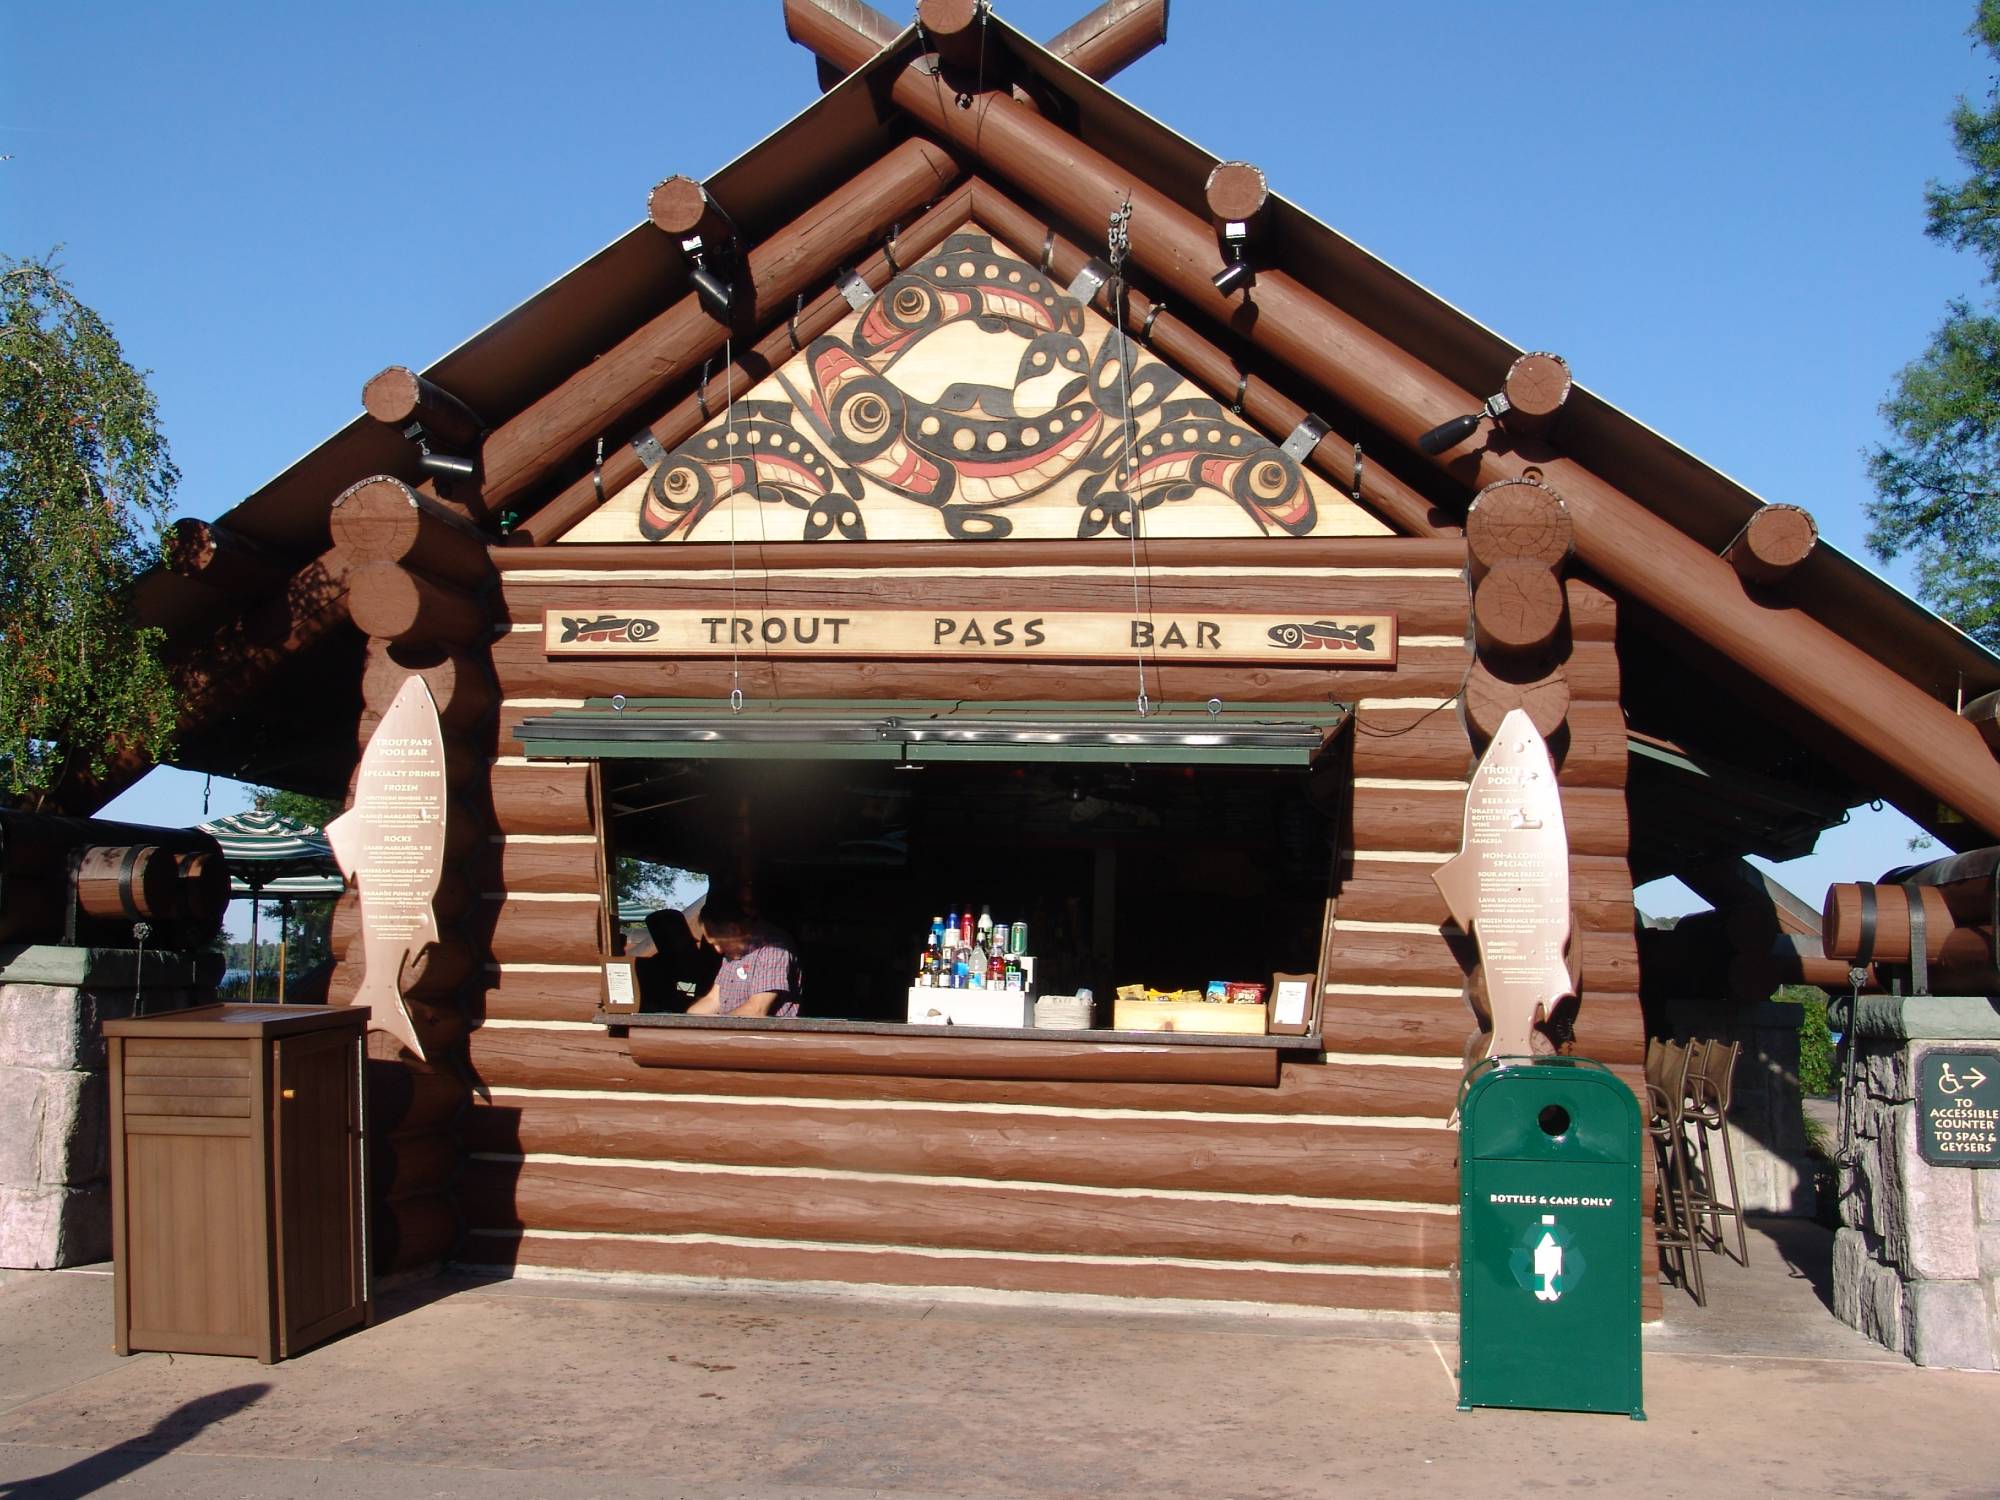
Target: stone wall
1917,1259
55,1164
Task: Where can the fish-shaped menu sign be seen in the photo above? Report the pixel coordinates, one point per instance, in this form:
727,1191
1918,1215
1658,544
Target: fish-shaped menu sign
1509,883
390,846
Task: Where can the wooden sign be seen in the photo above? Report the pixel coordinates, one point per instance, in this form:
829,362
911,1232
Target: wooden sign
1509,884
1297,639
390,846
973,399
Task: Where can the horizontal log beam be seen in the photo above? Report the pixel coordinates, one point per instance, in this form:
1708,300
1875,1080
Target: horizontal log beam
1411,818
1190,1155
508,1058
390,603
1639,552
549,798
661,1200
1301,1288
756,558
639,368
1394,891
542,932
461,683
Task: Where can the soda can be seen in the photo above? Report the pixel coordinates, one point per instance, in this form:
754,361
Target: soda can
1017,939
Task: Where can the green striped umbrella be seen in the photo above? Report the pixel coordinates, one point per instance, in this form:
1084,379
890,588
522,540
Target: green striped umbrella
274,857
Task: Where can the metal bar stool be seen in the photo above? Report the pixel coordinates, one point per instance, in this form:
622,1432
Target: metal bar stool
1709,1086
1673,1218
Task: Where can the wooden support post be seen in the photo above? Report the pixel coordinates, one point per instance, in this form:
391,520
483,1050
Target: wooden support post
1646,556
1773,542
398,396
384,520
224,560
643,365
393,604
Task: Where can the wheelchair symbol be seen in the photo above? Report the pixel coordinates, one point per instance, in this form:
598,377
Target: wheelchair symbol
1951,1083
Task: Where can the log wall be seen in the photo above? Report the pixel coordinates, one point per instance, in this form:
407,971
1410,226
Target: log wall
1334,1188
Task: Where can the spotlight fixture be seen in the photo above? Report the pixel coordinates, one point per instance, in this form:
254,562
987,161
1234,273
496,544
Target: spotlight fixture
1448,435
718,296
1237,273
444,465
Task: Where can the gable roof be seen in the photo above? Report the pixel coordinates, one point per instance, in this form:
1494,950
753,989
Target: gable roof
536,346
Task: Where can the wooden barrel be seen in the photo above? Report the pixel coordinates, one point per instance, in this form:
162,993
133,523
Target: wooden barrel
1862,922
127,882
201,890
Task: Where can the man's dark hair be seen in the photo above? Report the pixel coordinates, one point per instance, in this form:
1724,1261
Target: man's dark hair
724,913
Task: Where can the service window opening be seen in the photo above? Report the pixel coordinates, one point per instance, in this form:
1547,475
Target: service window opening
1170,876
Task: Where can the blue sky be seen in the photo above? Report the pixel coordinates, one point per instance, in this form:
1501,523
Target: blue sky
1713,210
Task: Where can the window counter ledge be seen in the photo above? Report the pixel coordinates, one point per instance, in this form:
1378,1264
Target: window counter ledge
766,1044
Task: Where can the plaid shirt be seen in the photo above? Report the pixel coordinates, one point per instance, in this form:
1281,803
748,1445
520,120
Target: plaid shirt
770,965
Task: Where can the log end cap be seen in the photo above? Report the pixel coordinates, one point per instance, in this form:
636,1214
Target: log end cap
947,18
378,489
678,205
1236,192
1536,387
392,396
1782,536
189,546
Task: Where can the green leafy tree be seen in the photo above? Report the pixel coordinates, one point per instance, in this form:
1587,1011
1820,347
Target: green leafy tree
309,928
1937,484
85,491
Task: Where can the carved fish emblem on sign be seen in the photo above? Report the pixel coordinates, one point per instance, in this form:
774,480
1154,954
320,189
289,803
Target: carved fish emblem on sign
390,846
1323,635
633,628
1509,884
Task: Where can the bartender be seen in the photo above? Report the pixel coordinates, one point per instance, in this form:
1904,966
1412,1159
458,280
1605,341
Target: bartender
675,964
759,975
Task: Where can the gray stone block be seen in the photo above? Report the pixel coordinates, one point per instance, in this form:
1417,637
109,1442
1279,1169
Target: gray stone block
1888,1076
1882,1298
1948,1324
43,1228
1929,1226
21,1125
54,1128
1850,1269
1986,1183
1989,1253
50,1027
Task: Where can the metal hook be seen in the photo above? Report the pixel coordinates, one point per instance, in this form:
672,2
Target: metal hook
889,249
1242,390
1215,708
1146,327
736,700
701,391
1145,704
597,470
792,328
1048,252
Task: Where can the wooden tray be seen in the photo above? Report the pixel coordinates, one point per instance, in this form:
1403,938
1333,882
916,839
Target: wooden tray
1189,1015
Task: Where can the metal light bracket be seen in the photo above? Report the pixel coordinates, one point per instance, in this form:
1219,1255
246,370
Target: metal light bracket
1091,280
648,448
857,291
1305,437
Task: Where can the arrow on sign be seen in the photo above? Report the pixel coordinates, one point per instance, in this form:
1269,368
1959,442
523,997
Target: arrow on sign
1974,1077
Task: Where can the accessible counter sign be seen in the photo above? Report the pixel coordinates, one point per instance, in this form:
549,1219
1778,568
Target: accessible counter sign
1298,639
1958,1107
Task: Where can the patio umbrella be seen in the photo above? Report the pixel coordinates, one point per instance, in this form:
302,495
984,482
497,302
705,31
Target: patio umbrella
272,855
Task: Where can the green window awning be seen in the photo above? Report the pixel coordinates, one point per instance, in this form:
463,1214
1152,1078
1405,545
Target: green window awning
1270,734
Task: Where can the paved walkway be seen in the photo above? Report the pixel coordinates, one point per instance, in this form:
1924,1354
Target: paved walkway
569,1388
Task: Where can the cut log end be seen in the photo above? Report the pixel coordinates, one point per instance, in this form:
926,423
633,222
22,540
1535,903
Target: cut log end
1517,609
391,397
1489,697
1518,519
1236,193
952,27
1536,387
679,206
1983,714
1777,539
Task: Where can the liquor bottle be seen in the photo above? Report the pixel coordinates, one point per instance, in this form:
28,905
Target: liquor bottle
951,930
965,920
1013,979
983,928
924,972
996,970
937,934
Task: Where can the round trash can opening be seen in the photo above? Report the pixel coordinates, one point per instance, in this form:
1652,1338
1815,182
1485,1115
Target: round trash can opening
1554,1120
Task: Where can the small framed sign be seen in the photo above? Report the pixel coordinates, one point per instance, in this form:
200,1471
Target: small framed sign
1292,997
621,988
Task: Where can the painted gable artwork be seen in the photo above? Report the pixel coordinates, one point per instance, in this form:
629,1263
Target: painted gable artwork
973,399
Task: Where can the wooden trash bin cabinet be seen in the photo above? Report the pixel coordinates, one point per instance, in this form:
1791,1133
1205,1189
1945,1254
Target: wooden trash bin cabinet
237,1199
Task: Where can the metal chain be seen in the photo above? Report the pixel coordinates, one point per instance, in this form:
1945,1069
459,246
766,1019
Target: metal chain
1117,243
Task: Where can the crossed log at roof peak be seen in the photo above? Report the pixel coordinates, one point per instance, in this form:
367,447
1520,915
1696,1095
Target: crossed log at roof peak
1108,40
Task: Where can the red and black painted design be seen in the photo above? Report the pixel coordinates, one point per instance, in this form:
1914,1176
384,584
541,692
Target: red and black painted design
1034,409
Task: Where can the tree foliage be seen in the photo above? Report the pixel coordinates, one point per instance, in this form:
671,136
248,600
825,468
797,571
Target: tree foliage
310,925
86,485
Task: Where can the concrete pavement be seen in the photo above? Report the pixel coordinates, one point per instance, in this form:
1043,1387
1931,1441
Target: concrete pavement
534,1388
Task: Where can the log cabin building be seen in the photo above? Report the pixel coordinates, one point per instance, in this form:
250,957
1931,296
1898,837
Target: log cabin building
979,493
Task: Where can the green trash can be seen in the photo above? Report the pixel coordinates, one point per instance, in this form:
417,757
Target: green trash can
1548,1257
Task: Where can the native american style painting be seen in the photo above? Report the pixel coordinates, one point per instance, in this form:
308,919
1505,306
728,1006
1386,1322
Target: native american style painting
973,400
